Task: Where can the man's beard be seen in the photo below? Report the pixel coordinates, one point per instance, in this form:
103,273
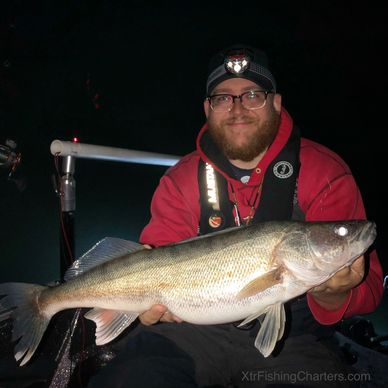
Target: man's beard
257,143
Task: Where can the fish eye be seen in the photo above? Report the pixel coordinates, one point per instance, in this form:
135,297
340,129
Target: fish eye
342,231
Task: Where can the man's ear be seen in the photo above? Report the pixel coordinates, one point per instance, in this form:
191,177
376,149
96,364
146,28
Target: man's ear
277,102
206,107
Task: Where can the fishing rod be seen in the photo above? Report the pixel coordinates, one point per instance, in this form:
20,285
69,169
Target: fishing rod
65,186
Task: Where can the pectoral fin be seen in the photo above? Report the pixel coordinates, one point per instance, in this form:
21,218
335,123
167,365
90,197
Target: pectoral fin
110,323
261,283
272,329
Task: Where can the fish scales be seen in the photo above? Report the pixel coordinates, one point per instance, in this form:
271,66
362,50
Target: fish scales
237,274
174,269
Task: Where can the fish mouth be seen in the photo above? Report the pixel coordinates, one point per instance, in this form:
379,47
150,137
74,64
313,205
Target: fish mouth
367,236
350,250
369,233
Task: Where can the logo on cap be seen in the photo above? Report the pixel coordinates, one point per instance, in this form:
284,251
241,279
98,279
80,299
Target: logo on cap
237,63
283,169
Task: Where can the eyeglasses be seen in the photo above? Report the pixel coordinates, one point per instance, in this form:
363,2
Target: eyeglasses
253,99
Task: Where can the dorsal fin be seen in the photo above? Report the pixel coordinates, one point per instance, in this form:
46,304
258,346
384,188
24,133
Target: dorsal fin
106,249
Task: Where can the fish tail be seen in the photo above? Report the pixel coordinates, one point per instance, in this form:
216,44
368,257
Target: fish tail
20,303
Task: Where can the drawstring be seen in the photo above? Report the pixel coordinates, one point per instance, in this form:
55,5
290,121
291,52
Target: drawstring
253,206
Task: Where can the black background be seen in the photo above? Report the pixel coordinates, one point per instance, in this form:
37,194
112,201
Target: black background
131,74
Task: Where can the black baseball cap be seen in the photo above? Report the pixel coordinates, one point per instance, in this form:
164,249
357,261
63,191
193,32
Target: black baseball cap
240,61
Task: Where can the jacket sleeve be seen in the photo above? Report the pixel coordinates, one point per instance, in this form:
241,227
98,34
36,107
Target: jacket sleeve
174,216
340,199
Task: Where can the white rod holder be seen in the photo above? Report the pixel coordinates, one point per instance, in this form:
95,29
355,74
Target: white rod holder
90,151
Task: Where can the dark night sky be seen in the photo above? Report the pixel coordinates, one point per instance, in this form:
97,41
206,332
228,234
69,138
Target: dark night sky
144,64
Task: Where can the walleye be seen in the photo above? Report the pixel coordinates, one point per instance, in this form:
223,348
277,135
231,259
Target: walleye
236,274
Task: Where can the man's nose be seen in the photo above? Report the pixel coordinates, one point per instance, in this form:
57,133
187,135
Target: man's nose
238,106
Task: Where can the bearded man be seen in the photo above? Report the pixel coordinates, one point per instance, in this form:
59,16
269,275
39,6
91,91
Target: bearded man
250,165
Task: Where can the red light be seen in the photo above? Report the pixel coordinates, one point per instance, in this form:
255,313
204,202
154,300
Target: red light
75,139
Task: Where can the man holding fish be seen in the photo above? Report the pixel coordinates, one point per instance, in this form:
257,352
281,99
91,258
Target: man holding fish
264,171
259,246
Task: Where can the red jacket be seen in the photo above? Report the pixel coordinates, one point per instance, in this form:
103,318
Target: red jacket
327,191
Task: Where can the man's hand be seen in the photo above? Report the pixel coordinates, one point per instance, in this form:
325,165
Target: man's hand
157,313
335,290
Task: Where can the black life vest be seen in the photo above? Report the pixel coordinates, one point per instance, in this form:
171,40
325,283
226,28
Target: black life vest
278,202
278,197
